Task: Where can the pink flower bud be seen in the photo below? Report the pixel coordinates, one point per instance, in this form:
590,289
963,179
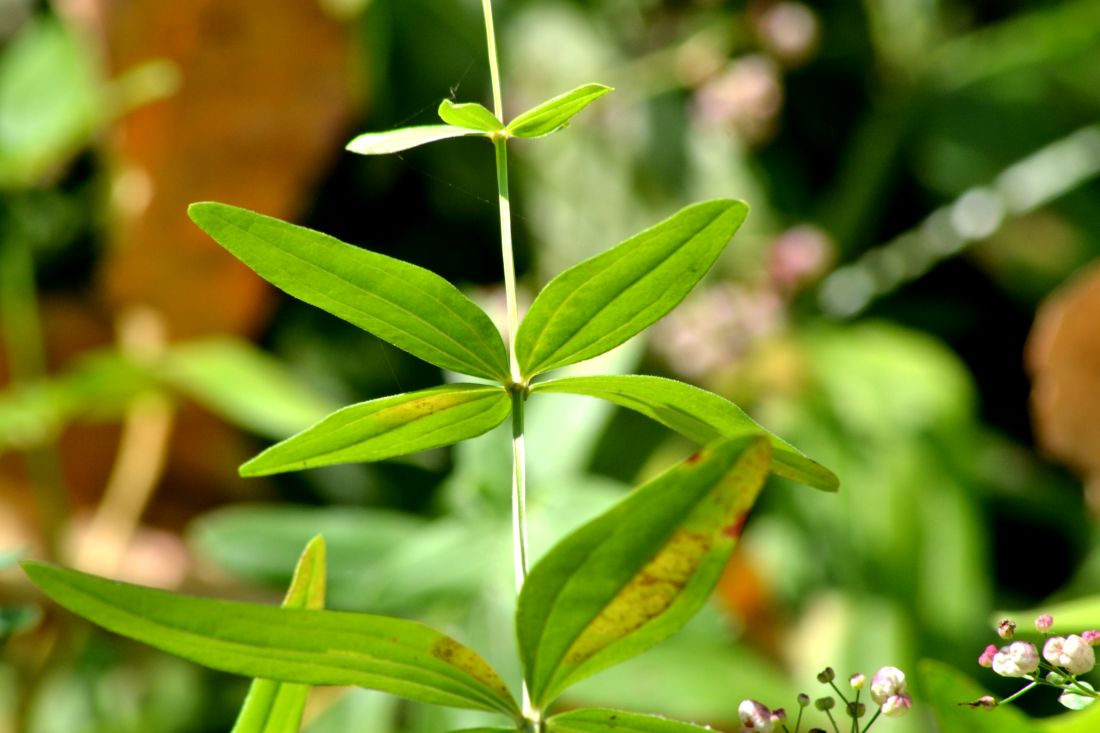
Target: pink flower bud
1092,636
857,681
987,702
1018,659
1043,623
1006,628
755,717
897,705
986,659
887,682
1072,653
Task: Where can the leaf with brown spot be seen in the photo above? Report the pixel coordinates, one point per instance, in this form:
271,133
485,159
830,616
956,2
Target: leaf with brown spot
304,646
635,575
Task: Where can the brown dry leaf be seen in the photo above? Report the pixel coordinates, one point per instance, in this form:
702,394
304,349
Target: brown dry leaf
1063,357
261,110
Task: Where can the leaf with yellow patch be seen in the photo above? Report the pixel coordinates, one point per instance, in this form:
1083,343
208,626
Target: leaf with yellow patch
305,646
635,575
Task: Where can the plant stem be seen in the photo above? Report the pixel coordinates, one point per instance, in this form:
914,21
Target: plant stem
517,388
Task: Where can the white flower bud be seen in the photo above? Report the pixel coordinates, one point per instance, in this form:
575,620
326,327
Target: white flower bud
1018,659
755,717
1072,653
886,683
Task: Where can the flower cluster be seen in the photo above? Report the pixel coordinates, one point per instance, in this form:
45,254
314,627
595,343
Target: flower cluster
1063,658
887,691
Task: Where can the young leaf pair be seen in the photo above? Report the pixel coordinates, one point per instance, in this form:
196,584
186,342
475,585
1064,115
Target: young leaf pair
623,582
585,311
471,119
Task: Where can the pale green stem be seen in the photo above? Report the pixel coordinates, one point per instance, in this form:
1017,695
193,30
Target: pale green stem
518,390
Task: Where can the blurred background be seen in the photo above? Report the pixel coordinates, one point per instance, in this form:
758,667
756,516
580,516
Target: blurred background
913,301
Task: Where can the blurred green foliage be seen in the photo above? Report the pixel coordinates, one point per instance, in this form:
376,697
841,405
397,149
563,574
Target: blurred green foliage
860,119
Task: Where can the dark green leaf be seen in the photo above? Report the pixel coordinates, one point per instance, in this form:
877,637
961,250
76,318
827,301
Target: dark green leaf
554,114
290,645
595,720
636,574
944,689
275,404
277,707
598,304
695,413
412,308
14,619
394,141
469,115
388,427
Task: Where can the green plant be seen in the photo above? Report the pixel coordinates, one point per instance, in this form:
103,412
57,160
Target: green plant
605,593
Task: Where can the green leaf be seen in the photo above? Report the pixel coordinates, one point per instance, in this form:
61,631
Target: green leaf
412,308
488,730
470,115
394,141
945,689
388,427
277,707
636,574
554,114
1082,721
597,720
38,130
1075,701
695,413
305,646
212,372
598,304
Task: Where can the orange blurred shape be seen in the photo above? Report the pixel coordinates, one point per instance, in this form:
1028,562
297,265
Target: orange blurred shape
261,110
1063,357
744,592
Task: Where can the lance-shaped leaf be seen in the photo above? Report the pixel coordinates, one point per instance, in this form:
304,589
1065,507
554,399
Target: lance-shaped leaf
388,427
602,720
598,304
303,646
695,413
412,308
277,707
554,114
394,141
469,115
639,572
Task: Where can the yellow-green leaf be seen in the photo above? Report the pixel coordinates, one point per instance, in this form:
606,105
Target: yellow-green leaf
394,141
388,427
639,572
469,115
554,114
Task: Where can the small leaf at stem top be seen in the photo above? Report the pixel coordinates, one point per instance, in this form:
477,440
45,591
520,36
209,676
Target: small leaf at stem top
636,574
469,115
695,413
554,114
388,427
303,646
394,141
277,707
412,308
600,303
601,720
